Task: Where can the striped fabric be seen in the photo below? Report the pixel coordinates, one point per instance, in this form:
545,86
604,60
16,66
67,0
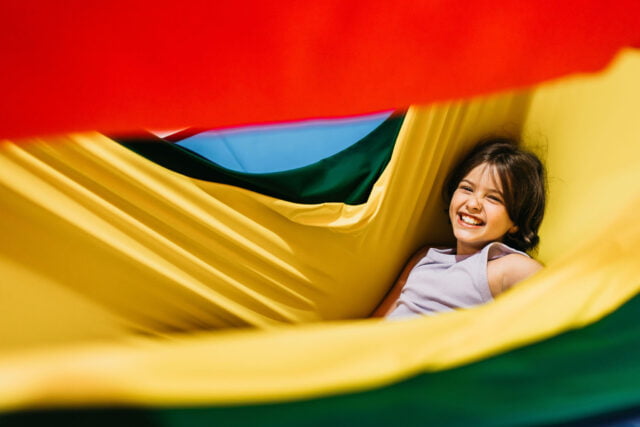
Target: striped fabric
346,176
133,292
155,262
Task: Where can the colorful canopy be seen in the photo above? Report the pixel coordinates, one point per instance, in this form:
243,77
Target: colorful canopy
282,147
121,276
168,65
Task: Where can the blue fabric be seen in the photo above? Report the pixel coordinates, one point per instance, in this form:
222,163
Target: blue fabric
274,148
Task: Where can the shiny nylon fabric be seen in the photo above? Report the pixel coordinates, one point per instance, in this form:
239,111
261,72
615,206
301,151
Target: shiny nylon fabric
204,255
226,63
278,147
587,276
346,176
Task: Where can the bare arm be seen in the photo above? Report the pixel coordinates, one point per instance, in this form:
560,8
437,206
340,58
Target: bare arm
503,273
390,300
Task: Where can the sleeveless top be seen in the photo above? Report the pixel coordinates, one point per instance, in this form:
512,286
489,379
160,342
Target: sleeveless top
444,281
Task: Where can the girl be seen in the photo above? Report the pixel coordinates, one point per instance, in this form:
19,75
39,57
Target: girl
496,199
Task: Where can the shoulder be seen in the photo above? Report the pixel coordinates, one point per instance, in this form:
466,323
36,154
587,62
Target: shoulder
421,253
510,269
388,304
517,261
416,257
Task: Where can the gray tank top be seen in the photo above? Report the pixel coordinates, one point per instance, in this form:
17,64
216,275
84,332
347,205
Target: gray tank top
443,281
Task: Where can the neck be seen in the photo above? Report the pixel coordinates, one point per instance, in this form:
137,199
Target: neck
465,250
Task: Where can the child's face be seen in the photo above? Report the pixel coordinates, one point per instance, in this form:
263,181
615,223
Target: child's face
477,211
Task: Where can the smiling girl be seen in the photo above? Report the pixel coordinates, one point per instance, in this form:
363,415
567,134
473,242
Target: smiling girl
496,199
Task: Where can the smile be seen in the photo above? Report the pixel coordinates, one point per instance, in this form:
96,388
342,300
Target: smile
470,220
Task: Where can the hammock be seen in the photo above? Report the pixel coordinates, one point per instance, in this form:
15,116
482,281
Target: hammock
150,253
135,293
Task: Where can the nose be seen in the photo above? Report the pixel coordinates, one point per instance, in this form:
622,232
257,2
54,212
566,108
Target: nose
473,204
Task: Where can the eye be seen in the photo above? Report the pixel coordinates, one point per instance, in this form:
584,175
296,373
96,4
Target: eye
465,187
494,198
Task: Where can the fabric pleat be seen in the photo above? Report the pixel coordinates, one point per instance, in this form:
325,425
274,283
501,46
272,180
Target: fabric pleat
129,267
345,177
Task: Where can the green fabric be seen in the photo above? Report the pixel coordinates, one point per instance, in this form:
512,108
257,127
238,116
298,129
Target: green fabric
346,177
584,377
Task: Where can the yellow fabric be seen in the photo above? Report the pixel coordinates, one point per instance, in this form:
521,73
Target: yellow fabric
108,246
127,246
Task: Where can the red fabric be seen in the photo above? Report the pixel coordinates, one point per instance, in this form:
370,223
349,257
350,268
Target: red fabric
72,66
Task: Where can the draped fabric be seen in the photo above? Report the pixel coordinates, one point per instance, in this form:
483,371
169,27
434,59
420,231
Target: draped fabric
346,176
281,147
206,255
127,267
160,64
121,280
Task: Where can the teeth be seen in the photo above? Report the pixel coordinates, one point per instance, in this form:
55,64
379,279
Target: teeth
469,220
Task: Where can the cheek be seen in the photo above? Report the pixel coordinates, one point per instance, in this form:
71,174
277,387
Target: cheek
501,216
453,208
456,200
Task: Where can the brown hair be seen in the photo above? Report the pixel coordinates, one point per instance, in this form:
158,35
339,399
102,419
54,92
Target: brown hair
524,185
